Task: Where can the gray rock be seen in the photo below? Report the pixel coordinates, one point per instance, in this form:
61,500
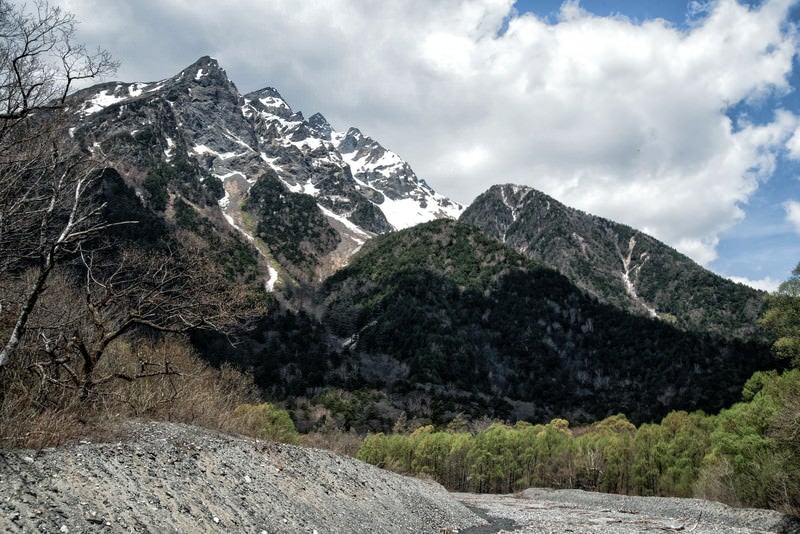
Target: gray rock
190,480
545,510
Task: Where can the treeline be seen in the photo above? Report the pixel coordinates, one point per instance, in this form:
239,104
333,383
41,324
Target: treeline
747,455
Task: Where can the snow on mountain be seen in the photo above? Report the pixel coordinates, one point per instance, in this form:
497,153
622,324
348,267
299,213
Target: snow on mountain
377,173
407,200
199,115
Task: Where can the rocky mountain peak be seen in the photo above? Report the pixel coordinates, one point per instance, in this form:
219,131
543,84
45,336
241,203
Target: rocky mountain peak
198,120
266,92
204,66
614,262
269,100
320,126
352,141
204,79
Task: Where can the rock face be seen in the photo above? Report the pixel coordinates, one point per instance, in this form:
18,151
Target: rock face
194,137
167,477
618,264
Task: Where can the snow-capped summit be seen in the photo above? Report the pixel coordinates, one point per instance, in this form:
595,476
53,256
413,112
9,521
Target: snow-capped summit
407,200
320,126
199,123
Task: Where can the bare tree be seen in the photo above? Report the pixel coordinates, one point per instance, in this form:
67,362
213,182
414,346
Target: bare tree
46,182
135,291
40,61
48,209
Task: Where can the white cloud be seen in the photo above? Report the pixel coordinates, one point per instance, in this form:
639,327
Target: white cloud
792,208
620,119
793,145
696,9
765,284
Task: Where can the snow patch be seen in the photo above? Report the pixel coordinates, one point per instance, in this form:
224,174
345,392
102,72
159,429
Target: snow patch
404,213
203,149
629,269
309,189
312,143
269,283
296,188
346,222
227,175
170,150
224,202
273,102
136,89
102,100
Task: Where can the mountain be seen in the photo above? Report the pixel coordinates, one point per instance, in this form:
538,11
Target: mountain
381,293
304,194
444,315
616,263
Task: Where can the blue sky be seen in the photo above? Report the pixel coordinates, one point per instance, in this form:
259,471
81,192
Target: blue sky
679,118
763,246
677,12
674,11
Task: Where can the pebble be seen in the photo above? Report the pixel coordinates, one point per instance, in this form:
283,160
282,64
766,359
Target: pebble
147,481
543,510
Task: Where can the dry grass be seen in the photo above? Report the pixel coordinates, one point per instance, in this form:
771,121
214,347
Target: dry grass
37,413
335,440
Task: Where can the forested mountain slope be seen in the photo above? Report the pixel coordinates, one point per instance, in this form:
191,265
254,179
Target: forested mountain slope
444,310
619,264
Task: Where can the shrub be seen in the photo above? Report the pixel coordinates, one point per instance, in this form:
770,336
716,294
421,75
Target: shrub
264,421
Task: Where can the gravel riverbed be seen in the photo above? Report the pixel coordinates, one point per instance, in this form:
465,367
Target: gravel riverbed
167,477
553,511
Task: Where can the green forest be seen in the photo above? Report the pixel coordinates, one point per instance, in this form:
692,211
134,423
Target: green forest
745,455
449,306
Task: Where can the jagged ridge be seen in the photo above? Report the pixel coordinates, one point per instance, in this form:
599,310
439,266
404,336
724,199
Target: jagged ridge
224,142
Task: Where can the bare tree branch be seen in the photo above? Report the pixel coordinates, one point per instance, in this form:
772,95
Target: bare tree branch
46,182
40,62
135,290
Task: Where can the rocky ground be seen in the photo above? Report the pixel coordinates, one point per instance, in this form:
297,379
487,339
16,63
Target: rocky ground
165,477
552,511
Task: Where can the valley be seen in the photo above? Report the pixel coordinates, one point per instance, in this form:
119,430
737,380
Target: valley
244,267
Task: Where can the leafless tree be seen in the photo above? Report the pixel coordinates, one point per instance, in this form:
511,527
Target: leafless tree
132,292
46,181
40,61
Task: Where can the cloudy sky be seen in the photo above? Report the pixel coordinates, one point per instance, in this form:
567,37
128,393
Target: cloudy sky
680,118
